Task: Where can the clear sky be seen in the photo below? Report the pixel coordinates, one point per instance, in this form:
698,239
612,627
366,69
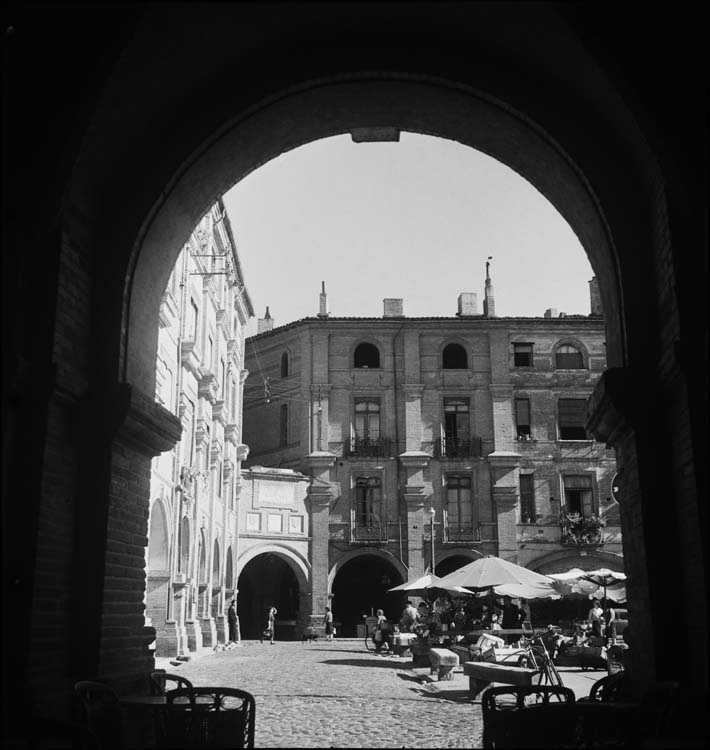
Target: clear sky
415,219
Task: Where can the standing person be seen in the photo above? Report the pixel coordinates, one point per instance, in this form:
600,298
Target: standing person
381,631
328,622
513,618
271,622
232,621
409,617
609,617
595,618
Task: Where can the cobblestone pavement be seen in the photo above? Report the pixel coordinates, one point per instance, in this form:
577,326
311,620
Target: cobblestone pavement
338,694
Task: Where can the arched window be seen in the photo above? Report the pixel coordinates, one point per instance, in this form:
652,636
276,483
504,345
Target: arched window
158,540
366,355
568,357
454,357
284,365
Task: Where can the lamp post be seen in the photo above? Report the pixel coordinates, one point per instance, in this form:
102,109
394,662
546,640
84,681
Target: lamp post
432,513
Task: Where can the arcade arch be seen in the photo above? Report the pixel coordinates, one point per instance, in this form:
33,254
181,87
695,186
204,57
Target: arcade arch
358,585
271,577
439,107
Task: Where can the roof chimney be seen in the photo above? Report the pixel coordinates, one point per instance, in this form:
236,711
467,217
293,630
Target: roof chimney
595,300
551,312
489,305
323,311
393,308
266,323
468,304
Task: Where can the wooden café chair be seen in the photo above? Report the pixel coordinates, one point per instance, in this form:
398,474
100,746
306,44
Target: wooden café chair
208,717
162,681
103,714
498,703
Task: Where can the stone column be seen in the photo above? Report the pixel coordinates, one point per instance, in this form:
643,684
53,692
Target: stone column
505,467
320,494
416,494
610,415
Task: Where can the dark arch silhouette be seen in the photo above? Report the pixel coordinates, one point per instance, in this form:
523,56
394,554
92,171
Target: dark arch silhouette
454,357
366,355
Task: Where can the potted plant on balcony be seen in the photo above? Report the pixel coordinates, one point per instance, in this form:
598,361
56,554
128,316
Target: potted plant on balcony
581,529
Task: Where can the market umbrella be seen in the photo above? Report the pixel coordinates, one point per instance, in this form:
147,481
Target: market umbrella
528,591
418,586
589,582
425,585
490,571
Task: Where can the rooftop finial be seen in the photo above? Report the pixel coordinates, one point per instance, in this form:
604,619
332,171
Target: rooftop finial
267,314
323,311
488,275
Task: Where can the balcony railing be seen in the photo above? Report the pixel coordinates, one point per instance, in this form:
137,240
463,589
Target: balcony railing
458,533
578,529
458,448
368,448
372,532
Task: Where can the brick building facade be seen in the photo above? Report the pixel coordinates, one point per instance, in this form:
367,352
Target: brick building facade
194,488
480,419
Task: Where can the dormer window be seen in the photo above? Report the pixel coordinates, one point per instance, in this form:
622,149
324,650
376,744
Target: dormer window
366,356
568,357
454,357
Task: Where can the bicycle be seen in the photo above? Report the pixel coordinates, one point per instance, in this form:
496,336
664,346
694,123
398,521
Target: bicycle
537,657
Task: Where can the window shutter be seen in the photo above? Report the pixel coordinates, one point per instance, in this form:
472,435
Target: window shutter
522,411
572,412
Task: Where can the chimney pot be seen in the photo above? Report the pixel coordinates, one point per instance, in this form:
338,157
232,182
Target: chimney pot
468,304
393,308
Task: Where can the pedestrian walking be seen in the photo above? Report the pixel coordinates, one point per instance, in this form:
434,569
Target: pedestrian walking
609,618
271,622
595,618
382,630
232,621
328,622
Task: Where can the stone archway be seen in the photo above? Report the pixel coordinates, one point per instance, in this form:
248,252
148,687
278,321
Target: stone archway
104,214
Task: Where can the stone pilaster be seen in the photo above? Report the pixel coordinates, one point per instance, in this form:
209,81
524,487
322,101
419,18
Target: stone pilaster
321,493
506,495
503,428
413,416
415,497
321,420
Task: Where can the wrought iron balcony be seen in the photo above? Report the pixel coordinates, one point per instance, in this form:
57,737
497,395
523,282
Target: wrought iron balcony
458,533
458,448
368,448
369,532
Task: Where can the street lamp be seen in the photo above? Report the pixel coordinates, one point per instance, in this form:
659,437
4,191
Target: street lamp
432,513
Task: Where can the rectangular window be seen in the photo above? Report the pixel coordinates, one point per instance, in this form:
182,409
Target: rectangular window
523,355
527,498
367,419
191,324
457,422
368,500
578,494
572,415
233,399
218,472
459,503
522,418
283,426
222,377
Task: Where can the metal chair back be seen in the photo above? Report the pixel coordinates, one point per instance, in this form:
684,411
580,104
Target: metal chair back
208,717
162,681
103,713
